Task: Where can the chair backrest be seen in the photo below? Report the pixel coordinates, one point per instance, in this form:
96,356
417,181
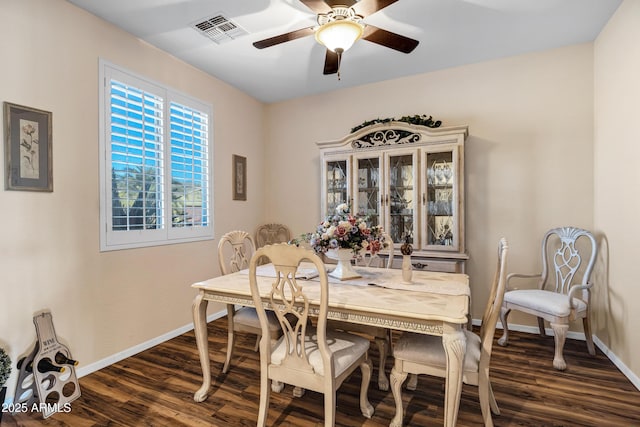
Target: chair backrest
571,264
376,260
235,250
494,304
288,300
268,234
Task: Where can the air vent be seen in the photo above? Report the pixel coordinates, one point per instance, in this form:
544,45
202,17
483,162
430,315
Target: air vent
219,29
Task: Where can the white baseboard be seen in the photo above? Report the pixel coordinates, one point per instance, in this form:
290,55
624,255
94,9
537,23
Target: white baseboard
96,366
635,380
534,330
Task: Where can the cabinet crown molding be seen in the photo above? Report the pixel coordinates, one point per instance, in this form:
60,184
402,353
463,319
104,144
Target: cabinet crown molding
396,133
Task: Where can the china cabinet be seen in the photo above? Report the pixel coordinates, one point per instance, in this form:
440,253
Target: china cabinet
407,178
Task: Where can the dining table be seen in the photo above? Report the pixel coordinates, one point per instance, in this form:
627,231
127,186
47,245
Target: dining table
434,303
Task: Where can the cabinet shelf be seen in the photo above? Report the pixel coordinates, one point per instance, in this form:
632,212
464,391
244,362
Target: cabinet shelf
440,186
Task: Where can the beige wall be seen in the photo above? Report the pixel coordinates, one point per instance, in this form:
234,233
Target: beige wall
531,143
617,180
102,303
529,156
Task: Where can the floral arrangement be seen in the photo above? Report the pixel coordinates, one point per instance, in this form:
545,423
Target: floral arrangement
5,367
344,230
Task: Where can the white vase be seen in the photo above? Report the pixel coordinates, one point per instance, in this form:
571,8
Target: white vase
406,269
344,270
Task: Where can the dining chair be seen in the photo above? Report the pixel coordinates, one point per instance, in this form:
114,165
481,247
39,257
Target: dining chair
381,336
316,359
235,250
563,293
424,354
270,233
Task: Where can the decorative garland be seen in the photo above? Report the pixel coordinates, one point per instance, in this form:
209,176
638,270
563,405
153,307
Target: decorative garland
420,120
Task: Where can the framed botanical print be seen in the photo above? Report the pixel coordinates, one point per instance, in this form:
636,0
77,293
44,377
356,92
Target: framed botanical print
27,148
239,177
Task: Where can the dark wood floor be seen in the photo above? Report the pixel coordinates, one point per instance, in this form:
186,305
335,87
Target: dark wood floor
155,388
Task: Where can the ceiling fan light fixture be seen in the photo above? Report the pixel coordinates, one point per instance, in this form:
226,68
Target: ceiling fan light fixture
339,34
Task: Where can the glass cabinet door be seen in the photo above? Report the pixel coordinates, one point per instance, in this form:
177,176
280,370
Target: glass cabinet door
336,180
400,203
441,199
367,194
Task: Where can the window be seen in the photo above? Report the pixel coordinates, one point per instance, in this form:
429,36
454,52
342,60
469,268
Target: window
155,163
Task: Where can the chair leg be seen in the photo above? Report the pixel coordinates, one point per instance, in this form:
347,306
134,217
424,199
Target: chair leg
559,334
397,378
586,323
492,401
543,333
365,406
504,315
412,384
329,408
257,346
383,351
230,344
231,338
265,393
484,392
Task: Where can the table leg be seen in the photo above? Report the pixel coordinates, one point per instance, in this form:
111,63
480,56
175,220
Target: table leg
202,341
455,344
397,378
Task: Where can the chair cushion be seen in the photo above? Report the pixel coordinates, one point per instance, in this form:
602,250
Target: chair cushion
345,347
428,350
552,303
249,316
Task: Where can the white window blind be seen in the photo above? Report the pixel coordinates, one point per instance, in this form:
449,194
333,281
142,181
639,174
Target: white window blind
137,173
189,166
155,164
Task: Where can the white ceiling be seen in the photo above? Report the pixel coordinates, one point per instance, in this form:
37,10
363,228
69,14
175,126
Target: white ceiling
451,33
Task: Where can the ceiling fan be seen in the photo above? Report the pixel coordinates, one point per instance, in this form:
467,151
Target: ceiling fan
340,25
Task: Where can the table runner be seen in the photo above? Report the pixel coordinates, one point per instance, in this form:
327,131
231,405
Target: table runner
422,281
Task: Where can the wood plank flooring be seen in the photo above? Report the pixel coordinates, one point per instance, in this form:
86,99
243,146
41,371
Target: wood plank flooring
155,388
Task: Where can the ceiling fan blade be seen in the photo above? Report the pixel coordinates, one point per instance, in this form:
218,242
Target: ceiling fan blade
331,63
365,8
389,39
317,6
271,41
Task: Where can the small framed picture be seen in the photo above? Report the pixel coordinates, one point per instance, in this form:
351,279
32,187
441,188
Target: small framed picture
239,178
27,148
